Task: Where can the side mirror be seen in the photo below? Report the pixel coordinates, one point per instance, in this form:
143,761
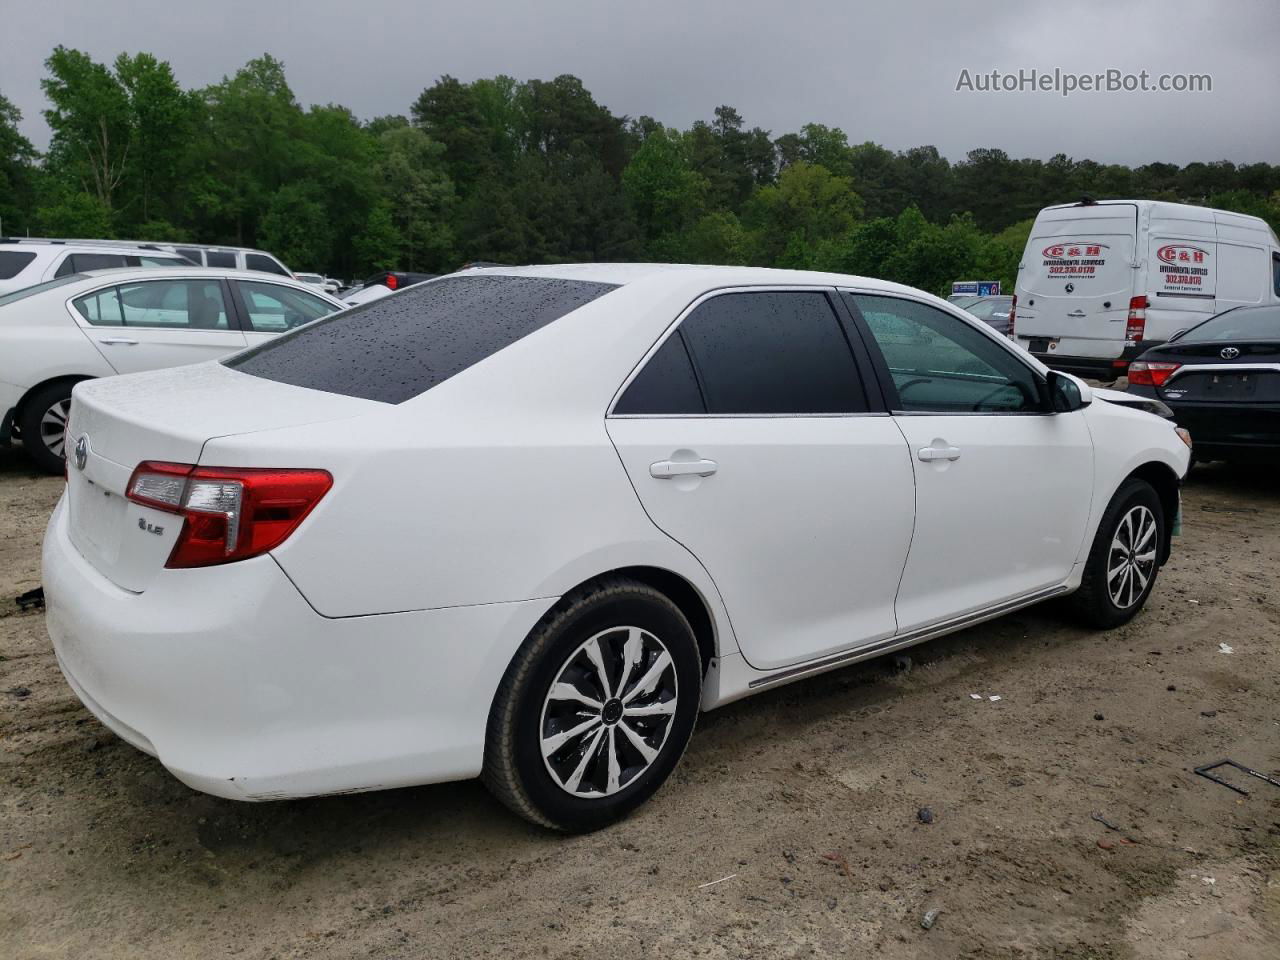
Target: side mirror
1068,393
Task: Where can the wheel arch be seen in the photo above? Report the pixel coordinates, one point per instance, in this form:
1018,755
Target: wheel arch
1167,487
682,593
69,378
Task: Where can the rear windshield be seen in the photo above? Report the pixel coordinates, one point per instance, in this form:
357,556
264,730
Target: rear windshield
1258,323
41,288
400,346
12,262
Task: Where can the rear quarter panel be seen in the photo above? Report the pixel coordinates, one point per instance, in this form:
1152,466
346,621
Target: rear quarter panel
39,342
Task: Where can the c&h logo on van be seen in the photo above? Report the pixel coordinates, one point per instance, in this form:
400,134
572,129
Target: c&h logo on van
1074,251
1077,260
1181,253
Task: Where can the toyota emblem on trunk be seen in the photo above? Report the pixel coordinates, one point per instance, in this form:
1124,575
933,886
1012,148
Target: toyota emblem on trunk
82,452
1229,353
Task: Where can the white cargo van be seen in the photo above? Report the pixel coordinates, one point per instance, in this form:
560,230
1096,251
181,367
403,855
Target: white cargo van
1102,281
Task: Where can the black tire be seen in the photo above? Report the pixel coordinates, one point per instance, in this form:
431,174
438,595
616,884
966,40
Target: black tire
521,716
1095,603
35,439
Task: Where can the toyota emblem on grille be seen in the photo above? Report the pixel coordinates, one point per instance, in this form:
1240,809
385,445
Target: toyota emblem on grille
82,452
1229,353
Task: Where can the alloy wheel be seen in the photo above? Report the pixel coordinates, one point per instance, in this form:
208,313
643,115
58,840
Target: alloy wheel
1131,560
608,712
53,427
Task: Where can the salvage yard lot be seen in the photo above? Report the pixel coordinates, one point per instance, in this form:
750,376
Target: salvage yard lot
806,799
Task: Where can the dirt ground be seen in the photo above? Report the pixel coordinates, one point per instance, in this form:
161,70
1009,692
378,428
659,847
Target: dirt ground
803,803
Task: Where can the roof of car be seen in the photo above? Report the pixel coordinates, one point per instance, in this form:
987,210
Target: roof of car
712,276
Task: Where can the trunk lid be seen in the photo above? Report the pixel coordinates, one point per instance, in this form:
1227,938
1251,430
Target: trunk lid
1077,276
118,422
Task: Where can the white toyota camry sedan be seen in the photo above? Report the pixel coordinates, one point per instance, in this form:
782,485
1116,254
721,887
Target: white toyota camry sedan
525,523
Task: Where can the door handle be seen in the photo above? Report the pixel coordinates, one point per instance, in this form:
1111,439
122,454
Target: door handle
111,341
667,469
1076,313
929,454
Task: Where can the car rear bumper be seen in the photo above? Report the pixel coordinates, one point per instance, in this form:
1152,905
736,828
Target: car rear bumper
1091,368
242,690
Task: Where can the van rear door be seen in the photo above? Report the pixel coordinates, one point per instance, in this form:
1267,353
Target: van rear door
1075,281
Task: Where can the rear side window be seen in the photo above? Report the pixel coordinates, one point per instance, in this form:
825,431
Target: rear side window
219,258
400,346
13,262
258,261
193,304
773,352
84,262
666,385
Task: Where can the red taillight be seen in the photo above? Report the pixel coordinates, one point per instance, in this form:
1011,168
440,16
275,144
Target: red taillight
1013,315
391,281
1144,374
1137,322
229,513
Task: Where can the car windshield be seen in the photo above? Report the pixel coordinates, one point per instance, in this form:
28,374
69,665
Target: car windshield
1253,323
404,344
40,288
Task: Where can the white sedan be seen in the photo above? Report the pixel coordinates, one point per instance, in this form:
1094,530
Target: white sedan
105,322
525,523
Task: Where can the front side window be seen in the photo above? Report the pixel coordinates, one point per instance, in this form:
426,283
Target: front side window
395,348
190,304
275,309
940,364
260,261
772,352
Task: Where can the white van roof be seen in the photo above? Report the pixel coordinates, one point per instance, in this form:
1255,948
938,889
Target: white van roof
1150,211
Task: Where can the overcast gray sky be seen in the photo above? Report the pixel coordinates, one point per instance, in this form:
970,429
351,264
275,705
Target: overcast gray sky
885,71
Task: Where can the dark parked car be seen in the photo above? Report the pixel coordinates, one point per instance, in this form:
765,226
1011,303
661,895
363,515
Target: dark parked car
993,311
1221,378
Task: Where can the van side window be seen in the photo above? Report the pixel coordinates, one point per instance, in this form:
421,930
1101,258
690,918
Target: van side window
220,258
259,261
1275,272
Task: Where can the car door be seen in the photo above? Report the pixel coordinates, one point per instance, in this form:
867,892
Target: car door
750,437
270,309
1003,486
151,324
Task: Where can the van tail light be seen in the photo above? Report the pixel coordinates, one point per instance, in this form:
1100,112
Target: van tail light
1013,316
1136,325
391,281
1143,374
228,513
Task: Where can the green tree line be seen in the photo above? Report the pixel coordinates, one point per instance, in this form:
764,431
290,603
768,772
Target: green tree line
531,171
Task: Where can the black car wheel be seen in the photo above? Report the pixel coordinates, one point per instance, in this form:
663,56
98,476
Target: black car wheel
1125,558
596,709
